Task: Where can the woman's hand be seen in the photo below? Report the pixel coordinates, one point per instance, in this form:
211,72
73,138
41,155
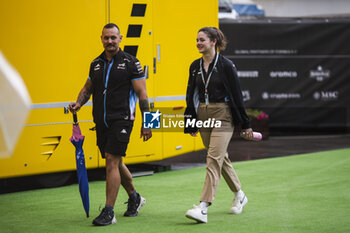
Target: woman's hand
194,134
247,134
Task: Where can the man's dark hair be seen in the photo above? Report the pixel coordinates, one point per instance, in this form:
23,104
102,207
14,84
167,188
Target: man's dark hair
111,25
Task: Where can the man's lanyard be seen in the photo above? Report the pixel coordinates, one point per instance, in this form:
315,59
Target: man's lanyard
206,83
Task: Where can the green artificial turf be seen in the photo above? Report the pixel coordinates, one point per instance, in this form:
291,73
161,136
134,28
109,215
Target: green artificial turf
302,193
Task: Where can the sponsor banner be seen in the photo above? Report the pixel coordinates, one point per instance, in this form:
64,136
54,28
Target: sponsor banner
283,74
305,117
295,70
279,96
248,74
326,95
246,95
320,74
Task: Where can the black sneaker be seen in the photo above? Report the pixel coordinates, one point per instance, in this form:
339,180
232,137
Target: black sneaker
105,218
134,205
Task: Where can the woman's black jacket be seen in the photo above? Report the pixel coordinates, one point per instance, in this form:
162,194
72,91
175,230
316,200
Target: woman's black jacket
228,73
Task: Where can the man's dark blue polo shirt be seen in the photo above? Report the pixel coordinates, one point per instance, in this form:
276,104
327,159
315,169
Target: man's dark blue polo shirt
113,94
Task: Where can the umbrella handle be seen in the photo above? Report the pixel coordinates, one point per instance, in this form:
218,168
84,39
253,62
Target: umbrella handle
75,118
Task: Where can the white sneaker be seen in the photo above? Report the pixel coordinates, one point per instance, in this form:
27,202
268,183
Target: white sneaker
238,203
197,214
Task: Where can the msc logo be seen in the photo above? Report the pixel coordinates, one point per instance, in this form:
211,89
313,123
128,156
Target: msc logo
151,120
326,95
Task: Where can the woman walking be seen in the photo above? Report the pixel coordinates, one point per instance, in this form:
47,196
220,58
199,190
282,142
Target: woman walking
213,91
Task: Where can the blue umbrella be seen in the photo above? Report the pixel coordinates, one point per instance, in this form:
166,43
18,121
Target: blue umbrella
77,139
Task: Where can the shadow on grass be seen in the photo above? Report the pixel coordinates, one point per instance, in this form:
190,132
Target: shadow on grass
189,223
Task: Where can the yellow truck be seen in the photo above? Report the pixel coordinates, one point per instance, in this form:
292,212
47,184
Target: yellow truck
52,43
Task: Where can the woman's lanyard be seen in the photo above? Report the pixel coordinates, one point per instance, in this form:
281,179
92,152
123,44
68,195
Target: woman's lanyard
206,83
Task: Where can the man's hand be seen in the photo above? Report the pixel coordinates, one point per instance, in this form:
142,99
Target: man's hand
139,86
146,134
83,97
247,134
74,107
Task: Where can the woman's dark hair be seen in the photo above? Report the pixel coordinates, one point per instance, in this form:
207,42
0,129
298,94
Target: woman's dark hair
215,34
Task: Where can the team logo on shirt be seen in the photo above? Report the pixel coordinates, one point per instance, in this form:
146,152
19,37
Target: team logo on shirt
138,66
121,66
194,72
97,67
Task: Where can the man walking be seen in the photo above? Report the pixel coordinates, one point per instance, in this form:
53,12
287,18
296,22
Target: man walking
115,81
